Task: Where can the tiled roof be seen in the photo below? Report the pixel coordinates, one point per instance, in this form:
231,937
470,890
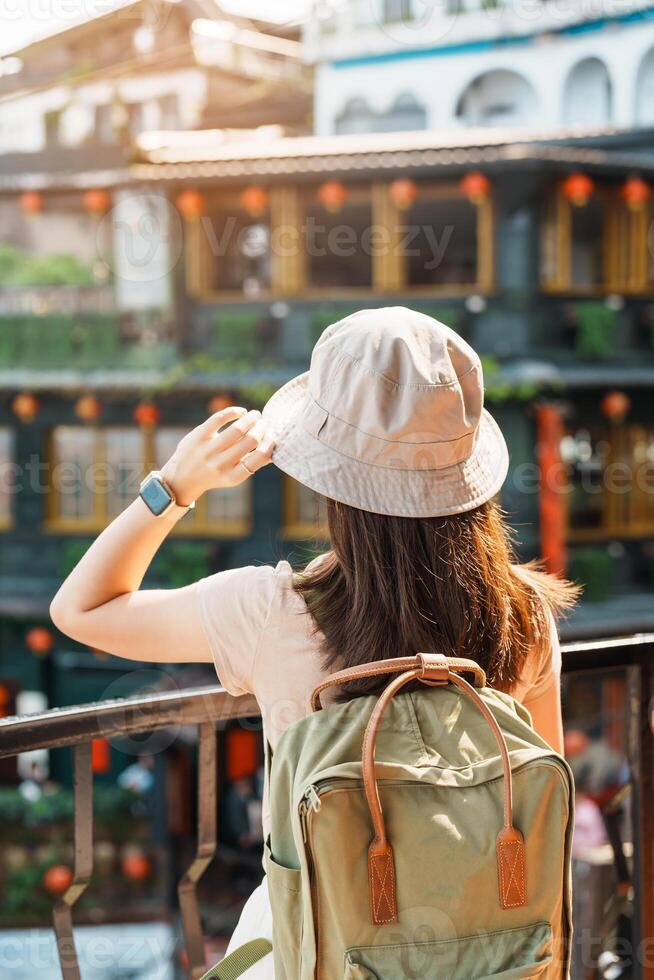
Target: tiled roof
194,157
198,156
194,146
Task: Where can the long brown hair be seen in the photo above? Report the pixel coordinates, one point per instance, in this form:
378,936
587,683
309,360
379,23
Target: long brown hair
393,586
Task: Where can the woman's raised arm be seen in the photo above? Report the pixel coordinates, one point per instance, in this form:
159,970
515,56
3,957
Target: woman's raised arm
100,603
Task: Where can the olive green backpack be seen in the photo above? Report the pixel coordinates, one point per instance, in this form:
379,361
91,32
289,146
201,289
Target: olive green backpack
420,836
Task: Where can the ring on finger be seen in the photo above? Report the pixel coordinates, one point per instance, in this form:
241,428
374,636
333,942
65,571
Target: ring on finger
246,468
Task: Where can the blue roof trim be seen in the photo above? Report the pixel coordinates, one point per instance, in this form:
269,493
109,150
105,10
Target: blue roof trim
467,47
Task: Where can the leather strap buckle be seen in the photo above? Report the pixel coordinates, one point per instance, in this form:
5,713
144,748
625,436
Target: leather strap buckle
434,669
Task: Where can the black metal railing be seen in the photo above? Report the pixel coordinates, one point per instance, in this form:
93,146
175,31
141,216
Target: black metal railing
205,707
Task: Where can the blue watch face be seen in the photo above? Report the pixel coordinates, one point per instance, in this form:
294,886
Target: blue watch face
156,496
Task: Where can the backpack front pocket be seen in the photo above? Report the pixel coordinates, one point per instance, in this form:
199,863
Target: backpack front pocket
510,954
285,890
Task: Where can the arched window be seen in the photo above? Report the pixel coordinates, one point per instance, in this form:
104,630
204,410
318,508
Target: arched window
498,98
406,113
587,96
645,91
356,117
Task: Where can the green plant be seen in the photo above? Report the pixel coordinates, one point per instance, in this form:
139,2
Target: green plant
21,268
324,316
61,340
257,394
24,891
117,813
235,334
498,390
52,807
592,567
451,316
596,326
13,807
182,562
71,552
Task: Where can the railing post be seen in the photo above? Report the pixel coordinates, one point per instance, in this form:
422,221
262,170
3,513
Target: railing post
83,837
187,888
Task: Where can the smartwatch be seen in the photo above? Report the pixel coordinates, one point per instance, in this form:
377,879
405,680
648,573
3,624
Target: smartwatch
158,497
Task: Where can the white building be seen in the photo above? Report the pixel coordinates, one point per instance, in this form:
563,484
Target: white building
413,64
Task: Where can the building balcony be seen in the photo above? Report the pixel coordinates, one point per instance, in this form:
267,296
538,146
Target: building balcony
362,29
88,335
607,700
549,341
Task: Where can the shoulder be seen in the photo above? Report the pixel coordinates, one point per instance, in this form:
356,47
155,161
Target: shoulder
257,595
236,606
253,585
542,666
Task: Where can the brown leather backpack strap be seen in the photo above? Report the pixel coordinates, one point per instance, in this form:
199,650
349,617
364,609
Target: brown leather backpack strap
396,665
381,865
510,844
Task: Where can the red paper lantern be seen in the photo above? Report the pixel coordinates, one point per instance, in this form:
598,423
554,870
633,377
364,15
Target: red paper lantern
146,414
39,640
100,755
96,201
191,204
615,405
475,186
218,403
5,700
31,202
242,752
25,406
88,408
403,193
255,200
578,188
58,879
332,195
136,866
635,193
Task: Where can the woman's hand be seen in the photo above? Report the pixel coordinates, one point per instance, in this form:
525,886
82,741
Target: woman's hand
211,456
101,603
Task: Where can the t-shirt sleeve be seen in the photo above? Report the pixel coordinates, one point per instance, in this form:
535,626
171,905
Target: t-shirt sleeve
546,671
234,609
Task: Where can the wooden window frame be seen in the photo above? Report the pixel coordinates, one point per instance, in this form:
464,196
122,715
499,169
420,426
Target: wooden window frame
391,273
616,508
202,525
636,225
360,192
198,260
624,255
100,519
289,270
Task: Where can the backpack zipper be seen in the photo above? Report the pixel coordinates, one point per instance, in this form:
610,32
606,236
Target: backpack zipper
304,807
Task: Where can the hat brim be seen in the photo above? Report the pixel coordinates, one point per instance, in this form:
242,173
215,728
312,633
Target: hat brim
383,489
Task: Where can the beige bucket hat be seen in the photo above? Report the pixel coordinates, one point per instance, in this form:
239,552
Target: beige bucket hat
390,418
